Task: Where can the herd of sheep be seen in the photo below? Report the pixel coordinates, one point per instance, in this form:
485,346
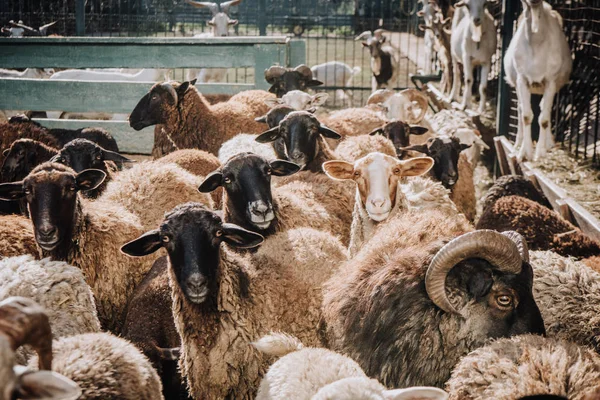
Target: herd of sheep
275,250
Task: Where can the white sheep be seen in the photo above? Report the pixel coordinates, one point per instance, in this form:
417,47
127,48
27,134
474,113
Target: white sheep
409,105
298,100
317,373
538,61
473,43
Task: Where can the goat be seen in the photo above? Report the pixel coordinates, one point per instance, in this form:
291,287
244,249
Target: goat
439,31
383,62
538,60
473,43
427,13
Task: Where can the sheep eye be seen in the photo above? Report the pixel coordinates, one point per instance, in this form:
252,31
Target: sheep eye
72,188
99,157
227,180
27,191
165,239
397,171
504,301
269,171
357,173
60,160
219,233
154,96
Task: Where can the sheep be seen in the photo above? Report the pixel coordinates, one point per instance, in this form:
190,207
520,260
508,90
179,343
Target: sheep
538,61
303,140
513,185
566,291
526,365
275,115
383,62
283,80
249,201
379,194
83,234
54,285
355,121
184,119
149,189
398,132
251,295
409,105
407,307
336,73
318,373
16,236
24,322
355,147
473,43
196,162
542,228
452,169
298,100
149,325
22,156
219,23
82,154
11,131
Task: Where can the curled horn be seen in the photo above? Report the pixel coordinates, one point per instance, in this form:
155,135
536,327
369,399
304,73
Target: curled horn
304,70
273,73
418,97
380,96
169,88
23,321
213,7
499,250
225,6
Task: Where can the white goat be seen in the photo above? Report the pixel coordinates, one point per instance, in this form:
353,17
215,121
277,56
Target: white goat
220,24
299,100
428,13
538,60
473,43
336,73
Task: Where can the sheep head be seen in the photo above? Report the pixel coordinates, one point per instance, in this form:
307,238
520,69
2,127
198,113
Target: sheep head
275,115
158,104
377,176
445,151
399,133
192,236
283,80
246,178
82,154
300,132
299,100
21,158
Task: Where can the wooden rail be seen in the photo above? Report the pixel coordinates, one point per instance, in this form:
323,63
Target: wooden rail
258,53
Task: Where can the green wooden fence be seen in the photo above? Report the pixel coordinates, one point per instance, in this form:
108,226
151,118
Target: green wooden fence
121,97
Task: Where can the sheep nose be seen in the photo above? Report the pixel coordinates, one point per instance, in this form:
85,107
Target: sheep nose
296,155
196,281
260,209
378,202
47,230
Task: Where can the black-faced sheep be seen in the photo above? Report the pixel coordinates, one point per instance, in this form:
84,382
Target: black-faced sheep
85,234
185,120
222,300
513,185
424,292
526,365
11,131
283,80
542,228
22,157
82,154
399,133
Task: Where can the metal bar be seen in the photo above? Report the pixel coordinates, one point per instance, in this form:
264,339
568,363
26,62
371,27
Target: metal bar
262,18
510,9
80,18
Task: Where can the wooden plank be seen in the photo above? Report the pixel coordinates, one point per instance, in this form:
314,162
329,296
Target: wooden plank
552,191
501,154
128,139
589,224
67,41
86,96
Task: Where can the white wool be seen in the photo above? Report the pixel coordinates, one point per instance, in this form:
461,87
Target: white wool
243,143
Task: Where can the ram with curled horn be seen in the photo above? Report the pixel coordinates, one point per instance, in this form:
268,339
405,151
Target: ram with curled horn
424,292
284,80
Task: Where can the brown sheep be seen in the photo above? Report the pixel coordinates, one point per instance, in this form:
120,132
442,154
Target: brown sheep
185,120
513,185
11,131
355,121
16,236
543,229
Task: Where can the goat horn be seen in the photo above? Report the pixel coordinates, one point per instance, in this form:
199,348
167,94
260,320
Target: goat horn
23,321
304,70
169,88
380,96
421,99
213,7
273,73
225,6
497,249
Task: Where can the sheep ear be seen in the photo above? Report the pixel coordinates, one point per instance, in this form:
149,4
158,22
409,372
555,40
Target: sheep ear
284,168
44,385
89,179
319,99
268,136
329,133
11,191
339,170
233,22
239,237
182,89
314,82
430,393
114,156
262,119
273,101
416,166
421,148
193,82
418,130
5,152
146,244
211,182
377,131
273,89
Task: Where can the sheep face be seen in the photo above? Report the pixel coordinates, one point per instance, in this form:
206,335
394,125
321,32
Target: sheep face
300,131
247,181
377,176
299,100
192,235
82,154
19,160
398,132
158,104
283,80
51,194
445,151
275,115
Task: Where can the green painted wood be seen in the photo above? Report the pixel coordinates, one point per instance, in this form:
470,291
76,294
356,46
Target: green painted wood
297,53
129,140
248,40
264,56
86,96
